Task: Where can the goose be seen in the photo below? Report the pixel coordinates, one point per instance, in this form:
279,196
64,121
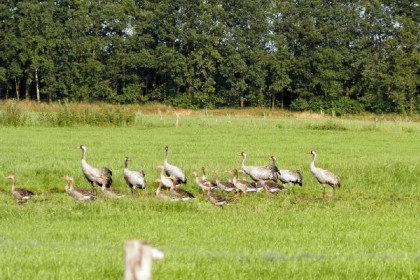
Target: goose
258,172
134,179
173,170
165,180
163,194
224,186
242,185
324,177
112,193
99,176
204,177
77,193
253,184
177,192
19,193
271,187
215,198
203,184
287,176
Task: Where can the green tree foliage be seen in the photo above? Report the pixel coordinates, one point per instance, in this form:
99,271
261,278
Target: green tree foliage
336,56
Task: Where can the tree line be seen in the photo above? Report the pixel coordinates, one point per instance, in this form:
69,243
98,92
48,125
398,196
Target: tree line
339,56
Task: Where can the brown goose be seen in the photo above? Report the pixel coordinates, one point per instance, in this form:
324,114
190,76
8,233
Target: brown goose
254,185
99,176
241,185
203,184
164,195
77,193
111,193
204,177
224,186
271,187
179,193
324,177
216,199
19,193
165,180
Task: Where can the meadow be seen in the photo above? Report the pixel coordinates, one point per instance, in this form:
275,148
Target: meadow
369,230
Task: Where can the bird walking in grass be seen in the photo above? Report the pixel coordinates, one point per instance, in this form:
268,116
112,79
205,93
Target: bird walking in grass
78,193
20,194
99,176
204,177
135,179
216,199
324,177
222,185
164,179
172,170
271,187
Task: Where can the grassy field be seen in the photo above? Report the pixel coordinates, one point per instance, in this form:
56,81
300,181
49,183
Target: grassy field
370,230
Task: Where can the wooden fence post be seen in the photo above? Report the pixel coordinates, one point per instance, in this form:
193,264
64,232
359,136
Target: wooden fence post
177,119
138,257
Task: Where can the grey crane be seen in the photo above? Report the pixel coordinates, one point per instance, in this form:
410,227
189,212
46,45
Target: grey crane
19,193
77,193
324,177
258,172
287,176
172,170
99,176
135,179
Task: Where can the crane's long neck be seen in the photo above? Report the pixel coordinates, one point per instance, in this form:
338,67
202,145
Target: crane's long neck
313,162
125,164
83,154
243,162
166,156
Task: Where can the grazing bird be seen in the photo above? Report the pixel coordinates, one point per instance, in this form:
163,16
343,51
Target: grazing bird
99,176
271,187
203,184
287,176
253,184
19,193
78,193
165,180
163,194
204,177
242,185
258,172
172,170
216,199
224,186
179,193
323,176
112,193
135,179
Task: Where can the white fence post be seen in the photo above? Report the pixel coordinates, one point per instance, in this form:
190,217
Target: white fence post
138,257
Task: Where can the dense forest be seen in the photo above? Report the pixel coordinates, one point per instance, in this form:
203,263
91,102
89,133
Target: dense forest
340,56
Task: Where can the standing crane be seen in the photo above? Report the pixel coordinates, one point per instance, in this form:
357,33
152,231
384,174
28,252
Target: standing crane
324,177
135,178
99,176
172,170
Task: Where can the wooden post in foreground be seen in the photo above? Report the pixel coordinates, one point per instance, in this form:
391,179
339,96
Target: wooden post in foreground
138,257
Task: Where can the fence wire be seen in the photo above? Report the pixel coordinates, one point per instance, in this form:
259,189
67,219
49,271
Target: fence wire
269,255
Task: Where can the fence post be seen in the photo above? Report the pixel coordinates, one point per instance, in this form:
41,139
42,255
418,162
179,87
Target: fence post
138,257
177,119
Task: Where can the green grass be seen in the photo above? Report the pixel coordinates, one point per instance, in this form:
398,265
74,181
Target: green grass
370,230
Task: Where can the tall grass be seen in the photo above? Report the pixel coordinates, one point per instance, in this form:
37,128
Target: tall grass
370,229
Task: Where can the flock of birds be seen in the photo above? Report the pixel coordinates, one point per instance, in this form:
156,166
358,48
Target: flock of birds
171,177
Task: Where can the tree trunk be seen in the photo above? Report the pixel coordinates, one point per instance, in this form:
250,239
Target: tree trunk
38,96
411,104
273,100
242,102
17,88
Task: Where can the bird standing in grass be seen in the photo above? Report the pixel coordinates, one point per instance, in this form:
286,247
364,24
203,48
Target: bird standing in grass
287,176
204,185
271,187
99,176
20,194
77,193
172,170
258,172
215,198
324,177
135,179
164,179
222,185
